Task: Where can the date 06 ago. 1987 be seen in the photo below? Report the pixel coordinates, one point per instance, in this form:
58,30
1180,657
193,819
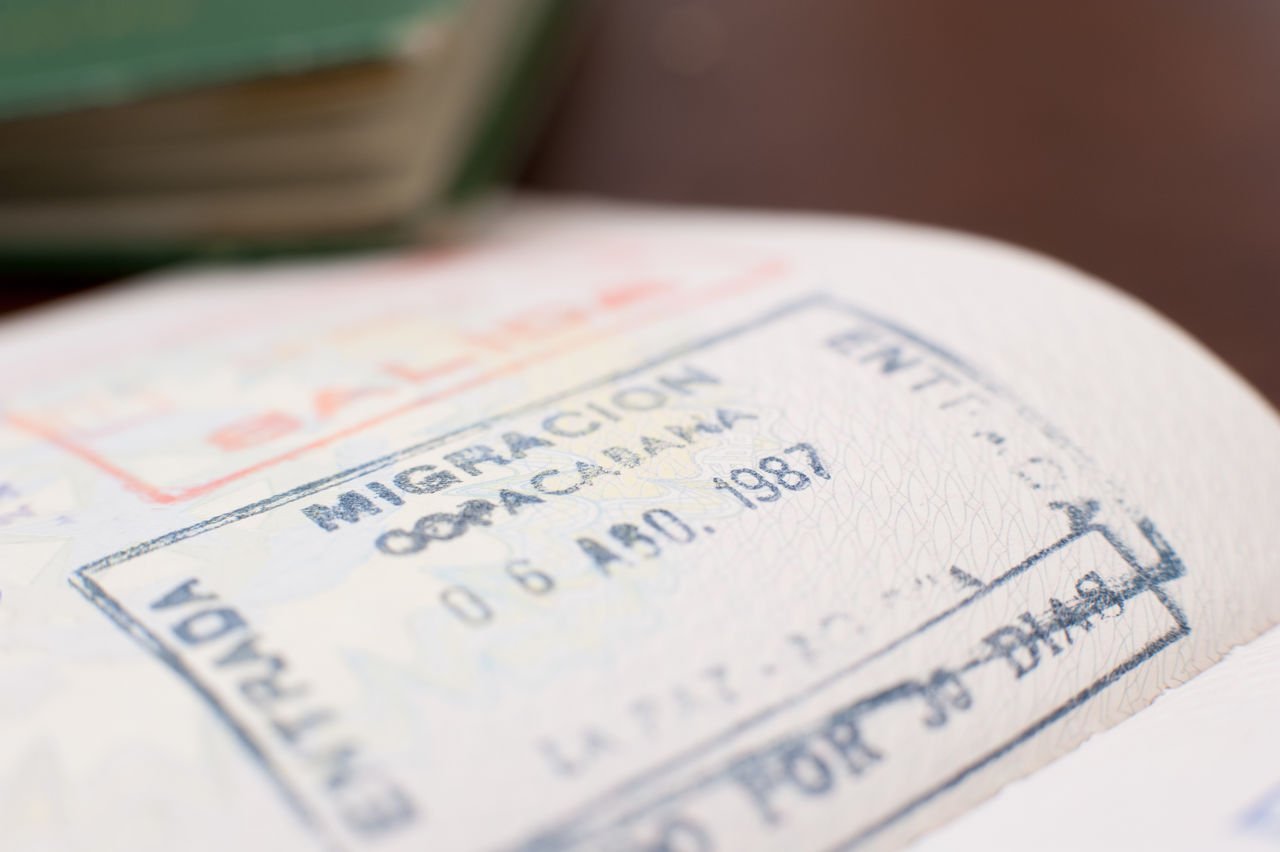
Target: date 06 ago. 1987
655,531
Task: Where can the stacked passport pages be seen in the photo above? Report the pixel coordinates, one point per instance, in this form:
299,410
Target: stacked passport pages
144,126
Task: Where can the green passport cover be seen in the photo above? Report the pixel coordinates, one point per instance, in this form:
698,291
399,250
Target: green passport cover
66,54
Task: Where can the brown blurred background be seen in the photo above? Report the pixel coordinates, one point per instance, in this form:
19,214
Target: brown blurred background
1136,139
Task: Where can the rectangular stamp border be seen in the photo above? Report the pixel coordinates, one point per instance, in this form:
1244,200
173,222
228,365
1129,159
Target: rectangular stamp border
573,830
82,579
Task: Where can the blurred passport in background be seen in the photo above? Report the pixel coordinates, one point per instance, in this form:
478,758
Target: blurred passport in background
144,128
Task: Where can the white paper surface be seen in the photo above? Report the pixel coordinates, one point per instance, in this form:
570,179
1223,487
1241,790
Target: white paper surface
1195,770
609,529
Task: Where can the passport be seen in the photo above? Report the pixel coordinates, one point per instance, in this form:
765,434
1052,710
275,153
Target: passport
147,130
610,527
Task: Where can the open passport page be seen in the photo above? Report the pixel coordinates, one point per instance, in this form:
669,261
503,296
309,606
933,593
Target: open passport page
626,528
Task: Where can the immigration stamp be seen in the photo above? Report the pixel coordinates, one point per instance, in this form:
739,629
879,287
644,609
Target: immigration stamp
974,578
